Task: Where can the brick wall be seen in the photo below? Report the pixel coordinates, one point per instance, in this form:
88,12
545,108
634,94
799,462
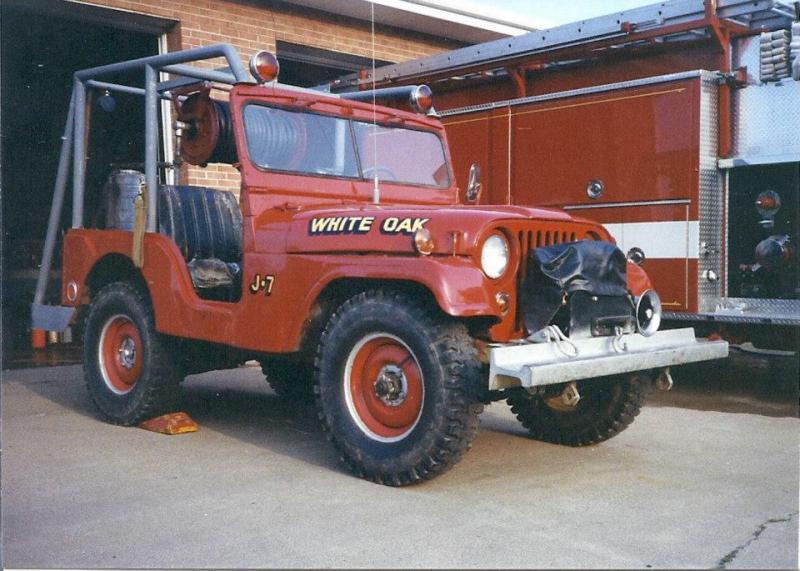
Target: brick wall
251,25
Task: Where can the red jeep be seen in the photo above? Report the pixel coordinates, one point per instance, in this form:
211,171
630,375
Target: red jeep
352,268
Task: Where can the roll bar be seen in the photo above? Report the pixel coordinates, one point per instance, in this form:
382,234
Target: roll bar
56,318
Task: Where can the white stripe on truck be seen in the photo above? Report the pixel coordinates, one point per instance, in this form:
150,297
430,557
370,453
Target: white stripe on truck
658,240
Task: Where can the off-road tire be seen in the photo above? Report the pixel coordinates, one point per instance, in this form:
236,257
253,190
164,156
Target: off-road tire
291,380
447,372
607,407
154,389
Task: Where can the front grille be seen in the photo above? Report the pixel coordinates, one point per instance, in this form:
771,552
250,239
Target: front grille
530,239
536,235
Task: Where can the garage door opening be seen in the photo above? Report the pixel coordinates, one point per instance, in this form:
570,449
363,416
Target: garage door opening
43,44
307,66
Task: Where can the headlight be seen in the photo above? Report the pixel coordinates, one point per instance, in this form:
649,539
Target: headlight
494,256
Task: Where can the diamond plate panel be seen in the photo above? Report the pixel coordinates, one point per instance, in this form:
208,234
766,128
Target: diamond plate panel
774,309
745,310
766,117
710,200
746,53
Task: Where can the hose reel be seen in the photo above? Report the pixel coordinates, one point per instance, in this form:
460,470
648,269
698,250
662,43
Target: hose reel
208,133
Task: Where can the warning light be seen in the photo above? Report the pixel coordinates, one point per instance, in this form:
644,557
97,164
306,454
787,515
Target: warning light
264,66
422,99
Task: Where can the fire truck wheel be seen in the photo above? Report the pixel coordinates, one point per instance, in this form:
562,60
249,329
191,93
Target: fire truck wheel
606,408
129,375
289,379
396,385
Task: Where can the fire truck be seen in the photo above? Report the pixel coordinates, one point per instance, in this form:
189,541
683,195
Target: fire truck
352,267
676,125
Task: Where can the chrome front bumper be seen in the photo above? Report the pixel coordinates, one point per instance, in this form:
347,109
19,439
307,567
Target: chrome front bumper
537,364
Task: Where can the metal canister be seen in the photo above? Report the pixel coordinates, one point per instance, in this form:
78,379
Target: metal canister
125,188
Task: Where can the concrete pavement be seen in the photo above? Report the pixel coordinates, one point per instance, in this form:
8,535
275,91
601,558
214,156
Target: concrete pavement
258,486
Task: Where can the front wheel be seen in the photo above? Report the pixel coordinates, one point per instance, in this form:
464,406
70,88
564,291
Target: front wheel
396,388
606,408
128,372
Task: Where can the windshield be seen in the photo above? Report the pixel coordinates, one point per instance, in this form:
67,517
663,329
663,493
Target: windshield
401,155
310,143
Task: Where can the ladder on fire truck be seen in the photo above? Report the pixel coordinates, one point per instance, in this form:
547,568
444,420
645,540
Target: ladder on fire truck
670,21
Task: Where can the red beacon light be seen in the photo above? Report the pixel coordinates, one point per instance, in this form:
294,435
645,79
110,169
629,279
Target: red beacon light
264,66
422,99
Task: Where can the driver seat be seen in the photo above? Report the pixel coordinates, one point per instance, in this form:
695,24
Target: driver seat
206,225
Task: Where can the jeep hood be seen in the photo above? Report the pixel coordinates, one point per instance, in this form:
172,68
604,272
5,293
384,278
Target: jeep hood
456,230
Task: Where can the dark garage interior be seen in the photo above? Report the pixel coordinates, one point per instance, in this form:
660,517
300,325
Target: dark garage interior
307,66
41,49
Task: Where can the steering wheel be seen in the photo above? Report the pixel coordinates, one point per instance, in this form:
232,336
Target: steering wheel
370,172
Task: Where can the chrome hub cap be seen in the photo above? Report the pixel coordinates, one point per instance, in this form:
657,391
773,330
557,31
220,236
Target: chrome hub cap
391,386
127,353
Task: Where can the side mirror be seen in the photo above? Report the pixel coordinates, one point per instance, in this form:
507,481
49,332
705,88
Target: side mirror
473,193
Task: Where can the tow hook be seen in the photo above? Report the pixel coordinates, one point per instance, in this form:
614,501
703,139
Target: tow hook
570,395
664,380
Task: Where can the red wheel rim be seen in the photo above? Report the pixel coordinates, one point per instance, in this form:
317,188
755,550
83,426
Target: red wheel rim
384,387
120,354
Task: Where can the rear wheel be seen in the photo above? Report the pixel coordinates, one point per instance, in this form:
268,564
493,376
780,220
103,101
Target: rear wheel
129,375
606,408
396,388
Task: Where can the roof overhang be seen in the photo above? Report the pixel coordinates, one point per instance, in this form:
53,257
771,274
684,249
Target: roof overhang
441,18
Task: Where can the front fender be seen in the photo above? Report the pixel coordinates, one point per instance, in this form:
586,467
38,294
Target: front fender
459,287
638,280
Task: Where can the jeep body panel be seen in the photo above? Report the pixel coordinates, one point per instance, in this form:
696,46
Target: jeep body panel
455,230
300,264
270,317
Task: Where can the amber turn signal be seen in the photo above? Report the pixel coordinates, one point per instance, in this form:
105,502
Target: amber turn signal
264,66
502,299
423,241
